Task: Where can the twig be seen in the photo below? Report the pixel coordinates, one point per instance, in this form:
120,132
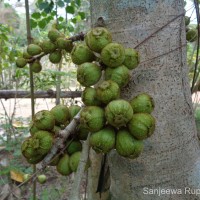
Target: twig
59,144
75,193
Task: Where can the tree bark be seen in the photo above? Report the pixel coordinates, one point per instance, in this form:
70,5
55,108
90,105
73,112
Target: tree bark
8,94
171,156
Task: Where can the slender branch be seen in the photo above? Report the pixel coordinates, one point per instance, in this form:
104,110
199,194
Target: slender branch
197,55
75,193
59,143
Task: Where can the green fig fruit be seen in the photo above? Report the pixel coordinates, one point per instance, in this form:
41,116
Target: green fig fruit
36,159
187,20
81,54
73,111
21,62
33,129
127,145
89,97
27,148
44,120
119,74
63,166
60,113
41,178
48,46
98,38
74,160
26,55
108,91
54,34
141,126
65,44
113,55
36,66
92,118
132,59
118,113
26,177
104,140
73,146
192,35
55,57
88,74
82,132
34,49
42,142
142,103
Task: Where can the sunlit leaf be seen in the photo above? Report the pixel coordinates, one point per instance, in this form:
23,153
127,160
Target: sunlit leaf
36,15
70,9
42,23
82,14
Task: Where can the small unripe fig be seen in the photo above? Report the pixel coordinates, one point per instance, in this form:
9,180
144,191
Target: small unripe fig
21,62
34,49
92,118
26,177
131,60
54,34
118,113
108,91
104,140
98,38
88,74
142,103
89,97
63,166
141,126
127,145
36,66
81,54
113,55
41,178
55,57
48,46
44,120
74,160
119,74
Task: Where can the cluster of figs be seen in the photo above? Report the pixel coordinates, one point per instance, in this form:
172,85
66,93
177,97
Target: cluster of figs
103,69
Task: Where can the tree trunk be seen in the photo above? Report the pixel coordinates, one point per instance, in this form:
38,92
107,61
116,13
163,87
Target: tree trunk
171,156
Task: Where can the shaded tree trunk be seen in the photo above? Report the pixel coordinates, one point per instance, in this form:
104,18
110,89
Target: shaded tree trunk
171,156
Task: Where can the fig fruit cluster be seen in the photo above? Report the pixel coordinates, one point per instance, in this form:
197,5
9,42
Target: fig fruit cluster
44,129
103,69
55,46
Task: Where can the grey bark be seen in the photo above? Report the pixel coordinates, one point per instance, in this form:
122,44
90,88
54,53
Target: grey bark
171,156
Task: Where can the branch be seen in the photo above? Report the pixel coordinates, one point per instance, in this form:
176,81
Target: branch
7,94
59,143
75,193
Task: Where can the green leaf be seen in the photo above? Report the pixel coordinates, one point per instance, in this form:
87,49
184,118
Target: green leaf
78,2
44,14
74,20
43,5
82,14
60,19
33,23
70,9
42,24
67,1
36,15
70,28
60,3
